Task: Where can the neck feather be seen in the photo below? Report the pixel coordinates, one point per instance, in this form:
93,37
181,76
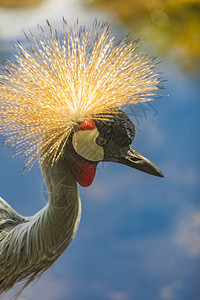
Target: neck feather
34,243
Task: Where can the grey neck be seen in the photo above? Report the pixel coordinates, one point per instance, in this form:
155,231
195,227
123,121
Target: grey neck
61,216
61,185
30,245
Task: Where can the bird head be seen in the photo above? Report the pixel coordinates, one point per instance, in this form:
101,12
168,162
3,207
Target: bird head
67,95
96,141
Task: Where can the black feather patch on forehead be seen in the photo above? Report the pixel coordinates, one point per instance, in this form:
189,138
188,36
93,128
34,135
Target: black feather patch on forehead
120,129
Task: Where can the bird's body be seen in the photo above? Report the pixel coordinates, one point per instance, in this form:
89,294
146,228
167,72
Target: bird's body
62,105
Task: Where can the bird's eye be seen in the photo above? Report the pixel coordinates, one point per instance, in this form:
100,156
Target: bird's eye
101,141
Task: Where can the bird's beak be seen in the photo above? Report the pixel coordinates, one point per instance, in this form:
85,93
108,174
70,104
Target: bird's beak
130,157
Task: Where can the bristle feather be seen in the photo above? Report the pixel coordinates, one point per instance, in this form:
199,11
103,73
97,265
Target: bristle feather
49,91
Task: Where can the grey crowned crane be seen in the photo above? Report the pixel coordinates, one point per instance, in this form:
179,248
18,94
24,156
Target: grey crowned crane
62,104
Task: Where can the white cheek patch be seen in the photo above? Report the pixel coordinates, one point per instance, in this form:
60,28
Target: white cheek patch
84,143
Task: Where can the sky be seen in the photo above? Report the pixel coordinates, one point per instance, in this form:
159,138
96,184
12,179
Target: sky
139,236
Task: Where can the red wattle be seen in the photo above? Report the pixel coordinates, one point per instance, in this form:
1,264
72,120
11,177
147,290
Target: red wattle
84,172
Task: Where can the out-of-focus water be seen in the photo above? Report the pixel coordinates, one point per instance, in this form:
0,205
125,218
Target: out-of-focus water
139,237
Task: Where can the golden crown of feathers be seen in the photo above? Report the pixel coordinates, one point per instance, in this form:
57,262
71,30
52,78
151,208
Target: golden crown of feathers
57,84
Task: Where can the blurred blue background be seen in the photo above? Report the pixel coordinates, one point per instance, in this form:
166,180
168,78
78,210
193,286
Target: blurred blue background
139,236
